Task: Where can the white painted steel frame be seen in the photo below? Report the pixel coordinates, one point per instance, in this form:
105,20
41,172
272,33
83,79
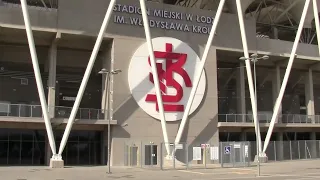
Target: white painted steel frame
286,76
155,74
316,20
86,76
37,73
199,72
156,80
249,73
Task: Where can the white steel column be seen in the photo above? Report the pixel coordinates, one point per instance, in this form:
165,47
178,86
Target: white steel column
316,20
249,73
37,74
309,95
86,75
52,76
317,23
279,146
199,71
313,143
155,74
286,76
241,93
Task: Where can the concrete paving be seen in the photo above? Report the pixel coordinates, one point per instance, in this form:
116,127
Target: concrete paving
295,170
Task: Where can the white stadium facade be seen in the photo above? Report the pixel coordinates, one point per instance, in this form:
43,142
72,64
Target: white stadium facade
77,73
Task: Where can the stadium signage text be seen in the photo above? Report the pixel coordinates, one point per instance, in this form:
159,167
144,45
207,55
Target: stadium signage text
170,20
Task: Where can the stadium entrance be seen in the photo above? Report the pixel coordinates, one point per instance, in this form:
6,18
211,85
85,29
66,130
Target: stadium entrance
30,147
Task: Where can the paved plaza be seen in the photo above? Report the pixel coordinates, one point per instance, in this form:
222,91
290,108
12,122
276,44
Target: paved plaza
295,170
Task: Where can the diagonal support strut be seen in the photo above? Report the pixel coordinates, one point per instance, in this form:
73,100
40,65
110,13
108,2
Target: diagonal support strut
155,74
86,76
37,73
249,74
316,20
199,72
286,76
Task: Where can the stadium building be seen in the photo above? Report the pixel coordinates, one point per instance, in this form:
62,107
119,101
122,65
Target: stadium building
65,32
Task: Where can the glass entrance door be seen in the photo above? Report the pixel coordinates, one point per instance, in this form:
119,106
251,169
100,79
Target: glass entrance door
151,155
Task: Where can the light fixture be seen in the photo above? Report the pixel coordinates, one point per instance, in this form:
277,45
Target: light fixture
265,57
254,55
243,58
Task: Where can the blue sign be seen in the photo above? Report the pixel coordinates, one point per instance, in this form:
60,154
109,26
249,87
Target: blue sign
227,150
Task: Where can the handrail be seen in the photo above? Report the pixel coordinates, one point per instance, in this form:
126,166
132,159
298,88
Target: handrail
265,118
52,4
28,110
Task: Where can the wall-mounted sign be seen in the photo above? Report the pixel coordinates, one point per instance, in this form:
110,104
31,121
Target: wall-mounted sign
196,153
163,19
214,153
68,98
227,150
176,65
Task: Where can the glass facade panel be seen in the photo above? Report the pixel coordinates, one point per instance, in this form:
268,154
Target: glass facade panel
84,152
95,153
39,153
74,136
3,152
4,134
14,135
72,153
28,147
27,152
14,152
27,135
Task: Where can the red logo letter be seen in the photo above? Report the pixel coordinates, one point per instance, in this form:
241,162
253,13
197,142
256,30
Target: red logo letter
167,74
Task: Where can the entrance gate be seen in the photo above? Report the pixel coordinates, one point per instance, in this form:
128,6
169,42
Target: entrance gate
151,155
235,154
132,155
141,155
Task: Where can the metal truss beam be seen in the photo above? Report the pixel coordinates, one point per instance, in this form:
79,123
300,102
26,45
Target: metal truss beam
286,11
233,73
297,82
37,73
52,69
317,23
155,74
199,71
44,4
96,48
286,76
264,80
86,76
249,73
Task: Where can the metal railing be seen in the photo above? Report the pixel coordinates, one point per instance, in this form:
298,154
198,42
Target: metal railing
290,150
285,33
207,155
46,4
186,155
60,112
266,118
